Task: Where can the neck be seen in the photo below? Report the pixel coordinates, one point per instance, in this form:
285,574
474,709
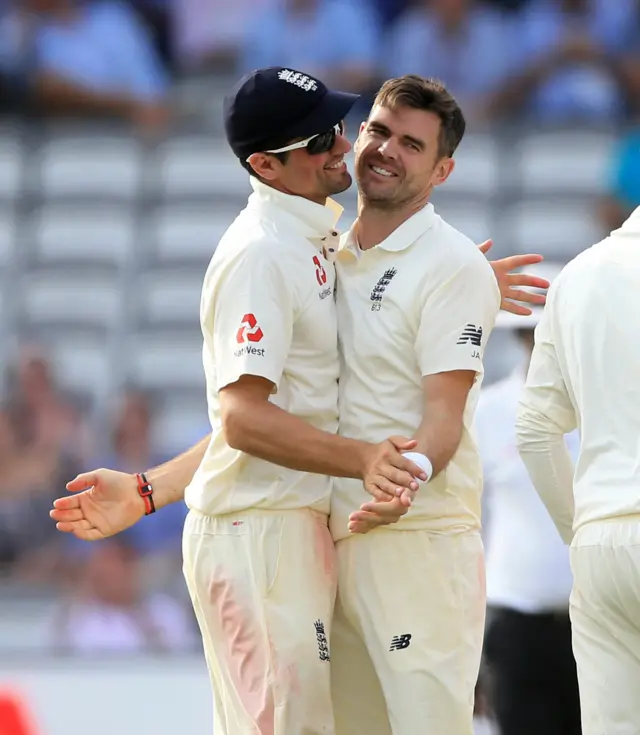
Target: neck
375,224
283,189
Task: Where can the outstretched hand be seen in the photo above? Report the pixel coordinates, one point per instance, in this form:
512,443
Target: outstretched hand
106,502
510,283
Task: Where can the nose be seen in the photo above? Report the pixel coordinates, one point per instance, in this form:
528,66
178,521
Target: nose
342,145
387,148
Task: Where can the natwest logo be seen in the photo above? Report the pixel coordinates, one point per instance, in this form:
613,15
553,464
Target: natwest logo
249,330
321,273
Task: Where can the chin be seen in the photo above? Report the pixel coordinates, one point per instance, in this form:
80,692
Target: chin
339,186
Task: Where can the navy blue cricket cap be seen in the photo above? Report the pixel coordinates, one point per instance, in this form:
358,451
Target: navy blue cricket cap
269,108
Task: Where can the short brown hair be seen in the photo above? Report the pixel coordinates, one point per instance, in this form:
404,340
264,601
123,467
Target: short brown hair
429,95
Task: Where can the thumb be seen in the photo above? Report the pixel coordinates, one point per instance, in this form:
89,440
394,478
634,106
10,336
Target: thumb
485,246
82,482
402,444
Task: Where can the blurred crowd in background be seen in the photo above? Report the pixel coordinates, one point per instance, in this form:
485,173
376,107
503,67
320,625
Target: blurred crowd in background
572,63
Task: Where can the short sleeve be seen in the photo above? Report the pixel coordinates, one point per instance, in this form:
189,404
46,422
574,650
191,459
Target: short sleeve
249,311
457,319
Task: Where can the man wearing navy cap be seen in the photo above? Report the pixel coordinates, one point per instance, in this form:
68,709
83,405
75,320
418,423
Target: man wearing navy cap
259,559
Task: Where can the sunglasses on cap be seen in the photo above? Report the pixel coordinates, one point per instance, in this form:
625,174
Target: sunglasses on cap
316,144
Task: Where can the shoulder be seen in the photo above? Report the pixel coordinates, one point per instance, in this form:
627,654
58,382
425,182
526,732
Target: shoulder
456,254
249,245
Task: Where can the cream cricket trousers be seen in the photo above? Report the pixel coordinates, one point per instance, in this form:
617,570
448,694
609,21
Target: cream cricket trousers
407,632
263,587
605,618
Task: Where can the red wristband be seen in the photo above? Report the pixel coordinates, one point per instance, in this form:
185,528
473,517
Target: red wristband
145,490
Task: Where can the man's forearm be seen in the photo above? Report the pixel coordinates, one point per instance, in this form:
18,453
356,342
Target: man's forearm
270,433
438,440
550,468
170,479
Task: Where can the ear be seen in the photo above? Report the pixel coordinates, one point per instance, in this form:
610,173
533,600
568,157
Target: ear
266,167
443,170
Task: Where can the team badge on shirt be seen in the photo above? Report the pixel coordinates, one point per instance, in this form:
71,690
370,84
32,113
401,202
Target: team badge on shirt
321,277
248,335
380,287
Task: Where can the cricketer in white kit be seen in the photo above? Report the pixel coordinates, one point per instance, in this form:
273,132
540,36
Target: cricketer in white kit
416,304
584,374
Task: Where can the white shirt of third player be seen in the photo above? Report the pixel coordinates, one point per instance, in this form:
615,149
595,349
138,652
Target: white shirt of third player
422,302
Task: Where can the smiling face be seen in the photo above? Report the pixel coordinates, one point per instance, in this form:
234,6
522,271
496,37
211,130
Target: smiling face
314,177
405,147
398,157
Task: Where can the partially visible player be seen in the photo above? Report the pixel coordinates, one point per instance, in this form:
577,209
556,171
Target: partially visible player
584,374
532,670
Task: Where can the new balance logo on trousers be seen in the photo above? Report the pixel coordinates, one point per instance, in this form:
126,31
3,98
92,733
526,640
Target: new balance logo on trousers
398,642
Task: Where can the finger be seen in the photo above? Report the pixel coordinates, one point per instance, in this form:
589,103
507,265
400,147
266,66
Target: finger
71,501
513,262
389,488
526,296
66,516
360,527
381,489
391,509
485,246
398,478
72,526
407,497
372,519
514,308
409,468
402,444
82,482
524,279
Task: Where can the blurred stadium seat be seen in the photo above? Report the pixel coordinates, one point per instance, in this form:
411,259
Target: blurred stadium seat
187,232
557,228
53,299
90,166
11,165
170,298
79,235
164,359
564,162
198,167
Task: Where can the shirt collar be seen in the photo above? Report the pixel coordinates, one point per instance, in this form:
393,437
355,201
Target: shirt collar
400,239
316,222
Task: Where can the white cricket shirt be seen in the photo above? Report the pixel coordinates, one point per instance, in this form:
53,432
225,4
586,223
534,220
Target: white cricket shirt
268,309
422,302
584,373
526,560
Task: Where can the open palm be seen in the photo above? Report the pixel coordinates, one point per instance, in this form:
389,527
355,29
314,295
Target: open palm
105,502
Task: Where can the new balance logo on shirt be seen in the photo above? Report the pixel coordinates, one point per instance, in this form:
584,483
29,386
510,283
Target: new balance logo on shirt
471,335
398,642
